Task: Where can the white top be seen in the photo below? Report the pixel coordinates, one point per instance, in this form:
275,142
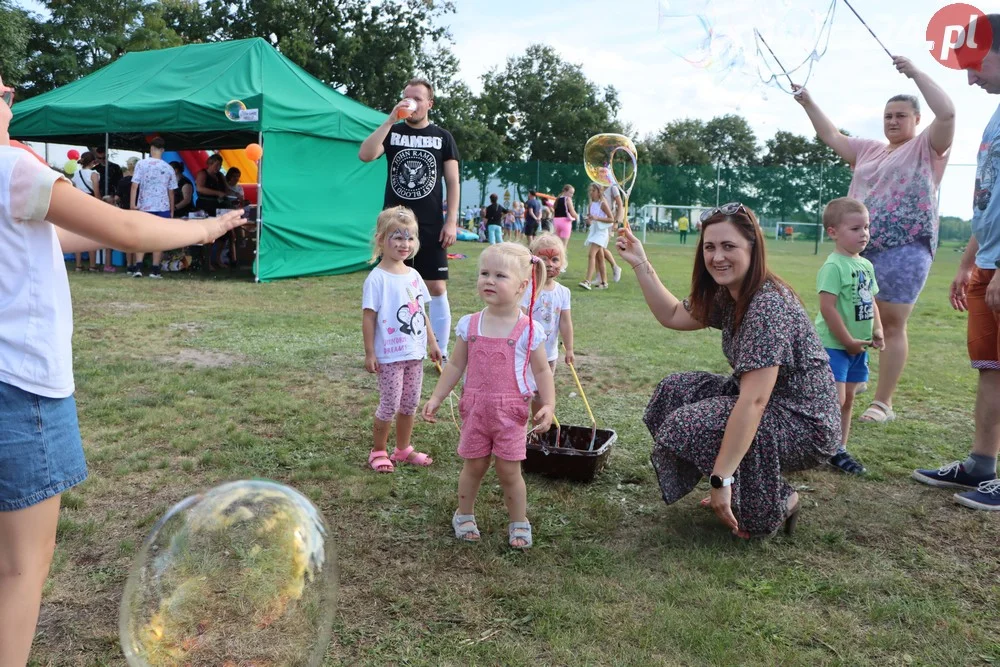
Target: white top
36,316
401,325
83,181
549,305
520,349
158,182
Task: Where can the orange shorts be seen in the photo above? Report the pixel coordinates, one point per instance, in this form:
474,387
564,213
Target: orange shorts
984,324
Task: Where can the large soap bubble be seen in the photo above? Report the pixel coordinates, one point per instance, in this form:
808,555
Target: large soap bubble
610,159
242,574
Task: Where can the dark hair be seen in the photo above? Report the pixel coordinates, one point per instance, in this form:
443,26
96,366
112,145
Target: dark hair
232,171
215,157
178,166
994,20
158,143
87,158
704,288
493,198
912,99
420,81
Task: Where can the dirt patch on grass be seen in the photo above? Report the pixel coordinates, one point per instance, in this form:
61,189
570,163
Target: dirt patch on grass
125,307
187,327
203,358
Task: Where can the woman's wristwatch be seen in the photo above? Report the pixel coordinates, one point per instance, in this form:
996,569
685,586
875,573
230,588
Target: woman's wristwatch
720,482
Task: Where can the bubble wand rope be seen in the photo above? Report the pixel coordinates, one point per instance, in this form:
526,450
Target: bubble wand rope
451,403
593,431
769,50
869,29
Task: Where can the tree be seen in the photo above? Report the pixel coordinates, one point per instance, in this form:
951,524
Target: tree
784,175
15,27
555,105
366,49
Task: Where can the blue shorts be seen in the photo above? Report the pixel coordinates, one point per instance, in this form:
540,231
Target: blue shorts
848,368
41,454
162,214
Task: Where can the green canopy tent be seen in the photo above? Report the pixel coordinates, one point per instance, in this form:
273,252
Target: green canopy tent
318,200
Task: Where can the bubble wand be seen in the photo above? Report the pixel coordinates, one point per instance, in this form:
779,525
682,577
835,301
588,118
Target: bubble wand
769,50
869,29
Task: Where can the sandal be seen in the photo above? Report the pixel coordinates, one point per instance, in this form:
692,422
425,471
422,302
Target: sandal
879,413
465,527
380,462
848,464
519,530
409,456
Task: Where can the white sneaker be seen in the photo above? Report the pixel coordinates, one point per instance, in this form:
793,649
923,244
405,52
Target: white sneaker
137,274
586,285
157,276
617,273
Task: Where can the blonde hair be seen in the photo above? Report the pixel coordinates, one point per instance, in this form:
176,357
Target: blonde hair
547,241
389,220
837,209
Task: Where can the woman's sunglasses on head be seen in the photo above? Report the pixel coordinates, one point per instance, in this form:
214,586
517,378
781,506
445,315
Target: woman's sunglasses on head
732,208
7,94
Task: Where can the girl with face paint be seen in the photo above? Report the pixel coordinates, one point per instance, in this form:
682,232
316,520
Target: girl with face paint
397,337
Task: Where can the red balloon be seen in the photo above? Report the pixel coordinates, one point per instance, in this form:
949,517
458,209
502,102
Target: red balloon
73,154
254,152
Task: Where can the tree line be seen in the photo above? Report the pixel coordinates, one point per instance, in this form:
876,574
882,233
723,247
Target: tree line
368,49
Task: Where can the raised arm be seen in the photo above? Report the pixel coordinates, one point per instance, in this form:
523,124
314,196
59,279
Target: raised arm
942,128
371,148
825,129
666,308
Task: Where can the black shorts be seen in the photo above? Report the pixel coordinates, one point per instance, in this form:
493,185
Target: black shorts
431,261
530,228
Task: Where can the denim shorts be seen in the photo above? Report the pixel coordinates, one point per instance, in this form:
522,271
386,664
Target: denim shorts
848,368
41,454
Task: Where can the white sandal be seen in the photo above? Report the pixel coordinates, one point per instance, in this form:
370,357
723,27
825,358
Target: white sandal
519,530
879,413
460,523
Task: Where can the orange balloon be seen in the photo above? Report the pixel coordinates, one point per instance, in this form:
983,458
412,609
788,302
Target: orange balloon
254,152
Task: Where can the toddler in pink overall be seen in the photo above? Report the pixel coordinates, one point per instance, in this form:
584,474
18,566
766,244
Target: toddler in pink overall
494,410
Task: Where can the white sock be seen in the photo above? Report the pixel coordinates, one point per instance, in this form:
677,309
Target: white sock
441,320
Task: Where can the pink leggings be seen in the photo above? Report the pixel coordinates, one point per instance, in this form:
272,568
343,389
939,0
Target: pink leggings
399,388
563,227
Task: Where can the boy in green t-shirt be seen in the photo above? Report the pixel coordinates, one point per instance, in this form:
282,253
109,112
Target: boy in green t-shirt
848,320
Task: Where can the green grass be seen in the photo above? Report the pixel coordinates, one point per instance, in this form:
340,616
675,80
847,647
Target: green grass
187,382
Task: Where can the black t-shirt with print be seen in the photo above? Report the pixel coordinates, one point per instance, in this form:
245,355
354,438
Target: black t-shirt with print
415,160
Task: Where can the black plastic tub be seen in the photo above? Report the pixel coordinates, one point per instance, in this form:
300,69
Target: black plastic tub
569,458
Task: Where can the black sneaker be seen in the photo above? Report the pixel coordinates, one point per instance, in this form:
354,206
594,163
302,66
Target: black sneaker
951,476
847,464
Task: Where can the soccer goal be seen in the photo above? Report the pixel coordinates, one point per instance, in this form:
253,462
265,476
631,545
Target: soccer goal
661,223
798,231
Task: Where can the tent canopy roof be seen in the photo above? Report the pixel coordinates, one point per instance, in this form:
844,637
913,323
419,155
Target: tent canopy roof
181,94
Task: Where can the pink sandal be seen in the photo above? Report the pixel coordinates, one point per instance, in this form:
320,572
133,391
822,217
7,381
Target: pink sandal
409,456
380,462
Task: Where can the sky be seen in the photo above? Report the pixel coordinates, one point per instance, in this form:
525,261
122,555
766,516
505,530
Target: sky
619,43
622,43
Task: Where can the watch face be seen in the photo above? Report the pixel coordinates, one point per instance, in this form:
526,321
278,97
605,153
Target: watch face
715,481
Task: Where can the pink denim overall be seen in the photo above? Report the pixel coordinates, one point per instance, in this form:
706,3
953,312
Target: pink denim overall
494,411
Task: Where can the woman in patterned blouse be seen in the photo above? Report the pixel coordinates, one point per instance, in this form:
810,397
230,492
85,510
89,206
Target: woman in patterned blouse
777,412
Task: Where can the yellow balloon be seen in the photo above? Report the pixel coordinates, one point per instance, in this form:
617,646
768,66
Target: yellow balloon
610,159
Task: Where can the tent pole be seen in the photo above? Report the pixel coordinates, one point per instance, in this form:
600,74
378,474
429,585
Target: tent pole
260,208
107,164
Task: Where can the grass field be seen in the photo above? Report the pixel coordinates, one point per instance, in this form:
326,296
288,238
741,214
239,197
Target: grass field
188,382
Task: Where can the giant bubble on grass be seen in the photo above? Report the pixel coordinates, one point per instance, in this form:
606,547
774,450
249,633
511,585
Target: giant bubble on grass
243,574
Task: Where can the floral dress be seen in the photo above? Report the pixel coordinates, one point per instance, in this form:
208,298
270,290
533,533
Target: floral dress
800,427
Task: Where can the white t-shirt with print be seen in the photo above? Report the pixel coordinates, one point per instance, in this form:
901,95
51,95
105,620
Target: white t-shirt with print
158,182
36,315
520,349
399,301
549,305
